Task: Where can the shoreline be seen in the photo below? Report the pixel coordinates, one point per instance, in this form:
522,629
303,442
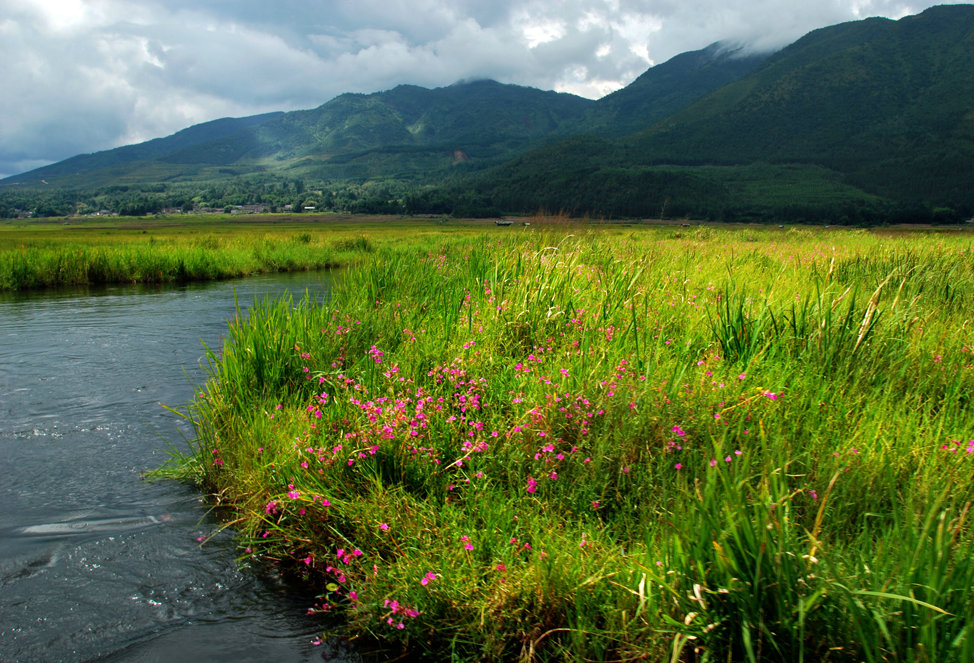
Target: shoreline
611,449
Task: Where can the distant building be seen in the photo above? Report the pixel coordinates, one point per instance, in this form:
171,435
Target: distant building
249,209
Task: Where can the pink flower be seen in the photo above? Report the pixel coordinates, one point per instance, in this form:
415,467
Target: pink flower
679,466
772,395
532,485
383,526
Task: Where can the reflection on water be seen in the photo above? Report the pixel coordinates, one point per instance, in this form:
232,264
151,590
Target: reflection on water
96,564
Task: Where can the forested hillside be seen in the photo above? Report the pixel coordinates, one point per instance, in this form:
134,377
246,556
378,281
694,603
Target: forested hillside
863,122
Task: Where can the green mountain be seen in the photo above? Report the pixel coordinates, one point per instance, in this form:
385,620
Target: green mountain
412,132
670,87
121,161
405,132
852,123
408,132
861,122
890,104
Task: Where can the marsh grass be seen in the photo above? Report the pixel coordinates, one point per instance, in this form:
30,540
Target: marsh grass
42,255
571,444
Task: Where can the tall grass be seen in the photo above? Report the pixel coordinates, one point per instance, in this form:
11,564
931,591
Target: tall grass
604,446
39,256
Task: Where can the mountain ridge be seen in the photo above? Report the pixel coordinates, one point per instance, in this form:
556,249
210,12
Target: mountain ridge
353,126
863,120
885,107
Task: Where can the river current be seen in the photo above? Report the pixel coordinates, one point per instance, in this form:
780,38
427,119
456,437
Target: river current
97,564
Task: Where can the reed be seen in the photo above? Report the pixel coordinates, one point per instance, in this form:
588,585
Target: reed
42,255
601,444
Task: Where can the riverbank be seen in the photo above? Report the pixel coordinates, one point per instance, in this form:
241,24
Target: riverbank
669,444
45,253
42,255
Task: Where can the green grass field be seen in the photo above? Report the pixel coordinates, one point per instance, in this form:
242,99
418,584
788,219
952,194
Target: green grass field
53,253
580,442
590,443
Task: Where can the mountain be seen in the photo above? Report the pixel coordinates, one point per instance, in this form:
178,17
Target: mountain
670,87
877,117
408,132
861,122
120,161
403,132
884,102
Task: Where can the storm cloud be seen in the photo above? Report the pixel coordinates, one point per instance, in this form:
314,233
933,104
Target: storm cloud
84,75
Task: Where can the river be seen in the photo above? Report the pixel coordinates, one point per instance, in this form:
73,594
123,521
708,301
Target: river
97,564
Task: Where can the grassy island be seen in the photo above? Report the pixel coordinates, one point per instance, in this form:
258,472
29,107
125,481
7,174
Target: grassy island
579,443
112,250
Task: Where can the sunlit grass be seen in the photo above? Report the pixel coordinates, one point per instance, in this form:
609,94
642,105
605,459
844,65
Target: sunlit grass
182,249
589,444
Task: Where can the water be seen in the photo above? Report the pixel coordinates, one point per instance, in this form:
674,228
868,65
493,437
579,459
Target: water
95,563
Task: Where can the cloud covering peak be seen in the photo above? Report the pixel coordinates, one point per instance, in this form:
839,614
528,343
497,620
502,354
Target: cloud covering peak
87,75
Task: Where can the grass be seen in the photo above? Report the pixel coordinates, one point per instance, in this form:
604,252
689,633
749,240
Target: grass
54,253
575,443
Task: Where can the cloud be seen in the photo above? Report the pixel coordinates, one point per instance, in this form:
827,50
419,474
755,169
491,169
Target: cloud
86,75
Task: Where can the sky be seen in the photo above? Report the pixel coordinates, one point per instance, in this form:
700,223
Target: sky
79,76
